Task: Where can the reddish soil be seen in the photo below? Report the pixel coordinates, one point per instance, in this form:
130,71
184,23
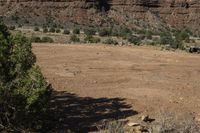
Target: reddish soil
147,78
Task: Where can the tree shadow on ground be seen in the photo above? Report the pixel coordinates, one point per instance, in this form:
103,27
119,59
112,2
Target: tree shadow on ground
82,114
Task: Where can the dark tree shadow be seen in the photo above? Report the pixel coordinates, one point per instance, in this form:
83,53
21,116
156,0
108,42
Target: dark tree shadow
81,114
103,5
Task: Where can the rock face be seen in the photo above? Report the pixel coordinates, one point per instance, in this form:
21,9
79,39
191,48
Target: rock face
152,14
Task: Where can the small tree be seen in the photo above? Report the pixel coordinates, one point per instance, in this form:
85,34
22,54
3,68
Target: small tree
24,93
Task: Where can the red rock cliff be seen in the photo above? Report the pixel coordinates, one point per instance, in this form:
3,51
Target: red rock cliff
134,13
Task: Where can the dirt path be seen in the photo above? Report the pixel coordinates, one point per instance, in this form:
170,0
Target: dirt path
148,79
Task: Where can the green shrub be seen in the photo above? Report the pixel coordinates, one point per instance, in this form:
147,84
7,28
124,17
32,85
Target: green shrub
36,29
76,31
36,39
112,127
19,25
24,93
90,31
134,40
52,29
124,31
41,40
110,41
66,32
12,27
148,34
74,38
105,32
166,38
175,43
47,40
91,39
45,30
58,30
182,36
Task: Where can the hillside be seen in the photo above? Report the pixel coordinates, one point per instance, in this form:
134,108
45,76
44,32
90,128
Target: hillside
143,14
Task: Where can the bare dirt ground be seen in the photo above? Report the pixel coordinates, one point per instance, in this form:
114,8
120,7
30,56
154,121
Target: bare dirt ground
143,79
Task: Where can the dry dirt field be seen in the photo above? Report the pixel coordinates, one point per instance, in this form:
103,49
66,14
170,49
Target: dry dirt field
111,82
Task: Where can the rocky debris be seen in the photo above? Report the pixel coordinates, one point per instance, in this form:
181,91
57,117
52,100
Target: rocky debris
132,124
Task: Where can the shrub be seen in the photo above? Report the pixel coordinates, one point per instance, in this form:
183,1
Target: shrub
105,32
24,93
134,40
74,38
112,127
47,40
12,27
90,31
45,30
148,34
66,32
58,30
76,31
41,40
166,38
20,25
115,31
124,31
91,39
182,36
36,39
36,29
52,29
110,41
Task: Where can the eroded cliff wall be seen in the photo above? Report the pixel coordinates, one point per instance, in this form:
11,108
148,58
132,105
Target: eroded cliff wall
152,14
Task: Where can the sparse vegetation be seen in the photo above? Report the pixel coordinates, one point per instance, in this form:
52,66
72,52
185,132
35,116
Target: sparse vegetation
45,30
12,27
91,39
134,40
67,32
90,31
36,29
58,30
74,38
105,32
52,29
47,39
76,31
110,41
112,127
37,39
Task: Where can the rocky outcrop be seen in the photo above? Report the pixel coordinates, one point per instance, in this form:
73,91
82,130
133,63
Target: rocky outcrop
152,14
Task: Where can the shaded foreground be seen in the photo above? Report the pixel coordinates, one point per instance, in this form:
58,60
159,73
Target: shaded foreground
97,83
85,114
